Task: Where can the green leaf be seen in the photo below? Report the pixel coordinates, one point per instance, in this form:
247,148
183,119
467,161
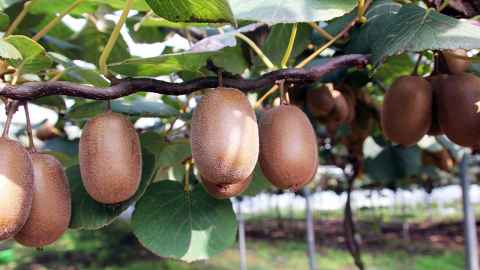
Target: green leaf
162,65
193,10
275,50
137,107
4,21
290,11
393,163
56,103
75,73
415,29
88,214
188,226
8,51
259,183
88,6
34,56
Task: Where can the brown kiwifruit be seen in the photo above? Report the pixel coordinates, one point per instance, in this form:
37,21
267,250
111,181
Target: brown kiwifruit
288,147
341,111
225,191
51,207
47,132
320,102
16,187
456,65
458,108
406,114
110,158
440,159
224,136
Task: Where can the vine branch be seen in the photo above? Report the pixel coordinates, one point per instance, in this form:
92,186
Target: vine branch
125,87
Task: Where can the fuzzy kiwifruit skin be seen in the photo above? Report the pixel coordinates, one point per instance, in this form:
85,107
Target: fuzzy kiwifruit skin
110,158
406,114
226,191
224,136
320,102
435,129
51,207
341,111
288,147
16,187
456,65
457,109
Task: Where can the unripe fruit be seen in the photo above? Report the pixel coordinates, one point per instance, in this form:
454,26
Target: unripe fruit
288,147
224,136
320,102
51,207
225,191
110,158
16,187
406,114
456,65
458,108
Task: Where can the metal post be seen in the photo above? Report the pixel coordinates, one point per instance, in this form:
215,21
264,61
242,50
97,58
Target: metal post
241,236
470,230
310,230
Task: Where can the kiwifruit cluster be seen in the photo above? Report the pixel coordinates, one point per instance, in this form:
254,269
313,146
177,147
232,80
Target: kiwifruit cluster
439,104
227,142
34,195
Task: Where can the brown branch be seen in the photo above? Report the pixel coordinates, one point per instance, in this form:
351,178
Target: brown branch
127,87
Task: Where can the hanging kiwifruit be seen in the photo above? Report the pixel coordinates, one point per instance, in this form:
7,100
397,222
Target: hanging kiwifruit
406,114
454,64
110,158
224,136
288,147
51,207
16,187
320,101
341,110
225,191
457,108
440,159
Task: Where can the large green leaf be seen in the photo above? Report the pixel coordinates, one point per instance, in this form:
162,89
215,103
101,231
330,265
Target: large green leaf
88,214
193,10
4,21
259,183
416,29
162,65
34,56
290,11
188,226
8,51
88,6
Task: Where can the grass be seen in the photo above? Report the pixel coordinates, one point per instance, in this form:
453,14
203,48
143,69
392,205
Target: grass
262,255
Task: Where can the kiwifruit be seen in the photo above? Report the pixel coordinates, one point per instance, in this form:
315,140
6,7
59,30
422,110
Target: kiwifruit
224,136
440,159
47,132
288,147
458,108
320,101
110,158
16,187
341,111
51,207
406,114
456,65
225,191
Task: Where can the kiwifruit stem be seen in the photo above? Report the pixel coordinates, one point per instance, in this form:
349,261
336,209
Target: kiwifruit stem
109,106
186,180
220,78
417,64
31,144
11,109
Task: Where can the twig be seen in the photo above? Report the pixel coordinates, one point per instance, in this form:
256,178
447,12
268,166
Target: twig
291,42
102,62
11,109
13,26
31,144
56,20
257,50
125,87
